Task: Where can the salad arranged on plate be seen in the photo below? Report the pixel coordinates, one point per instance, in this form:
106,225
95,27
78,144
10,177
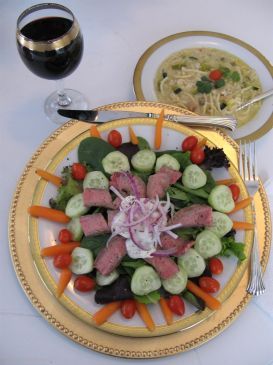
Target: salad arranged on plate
143,226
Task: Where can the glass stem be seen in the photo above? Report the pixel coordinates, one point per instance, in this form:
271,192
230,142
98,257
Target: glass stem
63,98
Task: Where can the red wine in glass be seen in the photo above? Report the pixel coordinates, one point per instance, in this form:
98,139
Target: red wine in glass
50,44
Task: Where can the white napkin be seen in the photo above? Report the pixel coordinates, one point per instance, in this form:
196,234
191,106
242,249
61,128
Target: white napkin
265,301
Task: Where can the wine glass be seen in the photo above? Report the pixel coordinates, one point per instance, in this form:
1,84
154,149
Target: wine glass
50,44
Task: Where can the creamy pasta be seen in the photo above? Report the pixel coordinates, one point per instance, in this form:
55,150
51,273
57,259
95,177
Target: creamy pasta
208,81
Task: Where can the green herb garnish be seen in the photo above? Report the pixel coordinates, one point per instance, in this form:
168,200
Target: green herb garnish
235,76
204,87
219,83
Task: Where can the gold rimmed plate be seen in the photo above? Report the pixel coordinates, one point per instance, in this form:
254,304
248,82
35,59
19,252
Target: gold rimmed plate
73,317
151,59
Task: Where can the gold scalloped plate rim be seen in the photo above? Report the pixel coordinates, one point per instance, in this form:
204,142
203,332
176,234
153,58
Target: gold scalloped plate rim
268,124
78,331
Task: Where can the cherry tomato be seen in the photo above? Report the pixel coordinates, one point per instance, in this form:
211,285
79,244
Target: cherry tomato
216,266
176,305
84,283
197,155
78,171
114,138
235,191
189,143
128,308
62,261
215,75
65,236
209,285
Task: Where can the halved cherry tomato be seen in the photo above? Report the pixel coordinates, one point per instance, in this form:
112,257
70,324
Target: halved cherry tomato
216,266
114,138
197,155
78,171
215,75
235,191
176,305
189,143
209,285
84,283
62,261
128,308
65,236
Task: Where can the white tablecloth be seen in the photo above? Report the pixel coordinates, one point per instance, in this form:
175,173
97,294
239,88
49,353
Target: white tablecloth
116,34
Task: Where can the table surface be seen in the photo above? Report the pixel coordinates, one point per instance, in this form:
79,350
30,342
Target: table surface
116,34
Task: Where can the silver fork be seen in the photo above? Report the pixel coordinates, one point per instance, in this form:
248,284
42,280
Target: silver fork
249,171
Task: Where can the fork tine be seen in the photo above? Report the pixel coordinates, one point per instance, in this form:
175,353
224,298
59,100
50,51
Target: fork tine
241,167
246,161
255,164
251,161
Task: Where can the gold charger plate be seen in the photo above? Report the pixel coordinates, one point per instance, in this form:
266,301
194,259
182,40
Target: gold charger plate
151,59
81,332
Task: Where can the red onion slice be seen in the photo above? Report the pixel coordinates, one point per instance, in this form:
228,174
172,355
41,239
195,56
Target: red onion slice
162,253
114,190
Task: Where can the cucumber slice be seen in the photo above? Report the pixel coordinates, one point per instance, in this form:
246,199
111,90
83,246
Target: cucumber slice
207,244
192,263
194,177
168,161
75,206
177,283
145,280
144,160
74,226
221,224
114,162
82,261
220,198
95,180
103,280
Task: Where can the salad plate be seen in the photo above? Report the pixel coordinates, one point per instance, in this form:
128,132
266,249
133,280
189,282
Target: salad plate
152,59
72,314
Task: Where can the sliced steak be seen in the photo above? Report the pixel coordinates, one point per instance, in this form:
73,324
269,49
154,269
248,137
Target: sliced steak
128,184
196,215
172,174
110,216
116,203
97,198
109,257
180,244
165,266
157,185
94,224
159,182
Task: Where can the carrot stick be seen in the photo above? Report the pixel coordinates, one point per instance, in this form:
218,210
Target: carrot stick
94,132
202,142
64,279
145,316
241,204
168,315
242,225
158,130
48,213
133,137
225,181
105,312
210,301
58,249
56,180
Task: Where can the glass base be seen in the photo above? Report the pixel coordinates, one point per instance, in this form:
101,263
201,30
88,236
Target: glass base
78,101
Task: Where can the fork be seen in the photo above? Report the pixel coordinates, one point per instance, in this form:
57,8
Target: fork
249,171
